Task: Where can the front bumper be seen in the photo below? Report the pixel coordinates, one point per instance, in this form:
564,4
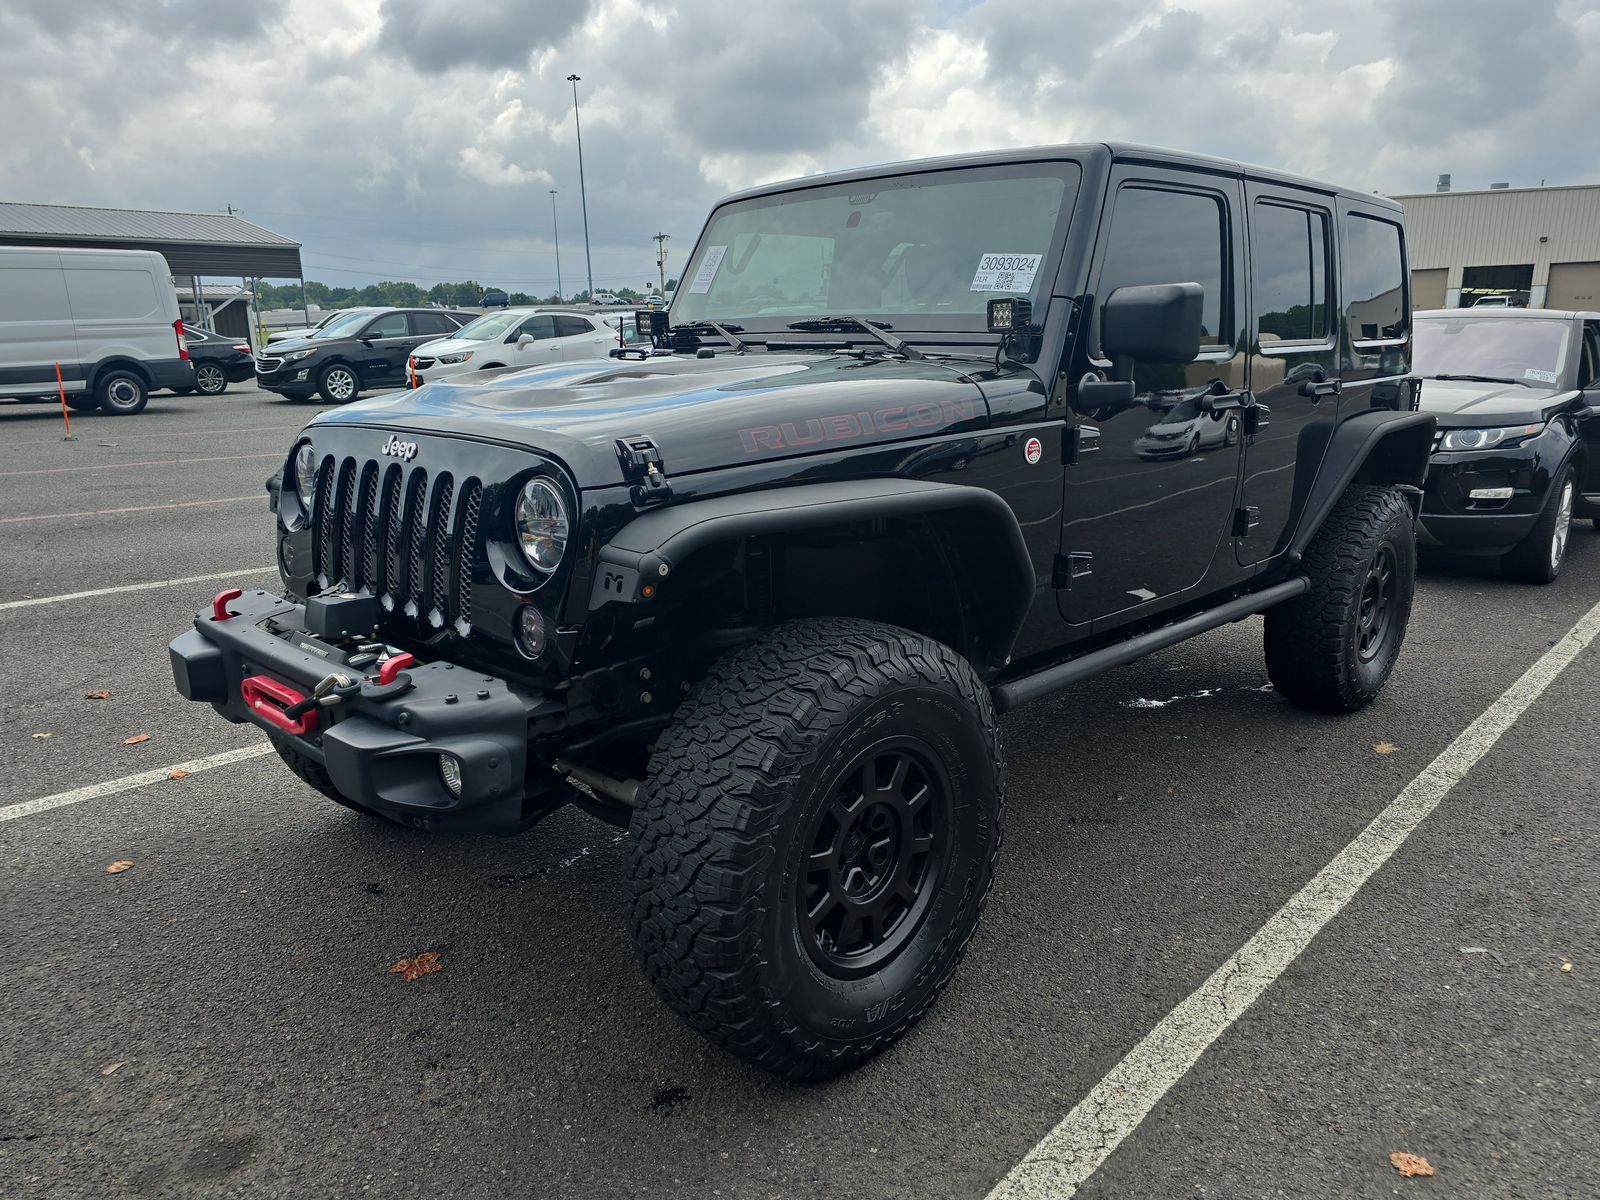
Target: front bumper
381,744
1453,518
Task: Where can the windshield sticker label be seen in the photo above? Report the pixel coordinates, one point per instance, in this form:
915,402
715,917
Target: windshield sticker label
709,262
1006,272
1541,376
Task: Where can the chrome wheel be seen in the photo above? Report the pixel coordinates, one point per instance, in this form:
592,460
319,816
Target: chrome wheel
339,383
1558,537
209,379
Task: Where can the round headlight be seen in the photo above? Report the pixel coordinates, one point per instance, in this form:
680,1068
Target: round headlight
541,521
305,474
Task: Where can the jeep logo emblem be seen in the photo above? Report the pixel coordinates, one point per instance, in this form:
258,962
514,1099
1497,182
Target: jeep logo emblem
395,448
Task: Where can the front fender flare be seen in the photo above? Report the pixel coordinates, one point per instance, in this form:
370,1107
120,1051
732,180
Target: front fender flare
642,556
1378,446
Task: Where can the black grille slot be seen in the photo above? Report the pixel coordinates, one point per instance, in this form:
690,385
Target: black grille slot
439,569
360,536
343,504
323,544
417,521
467,550
390,524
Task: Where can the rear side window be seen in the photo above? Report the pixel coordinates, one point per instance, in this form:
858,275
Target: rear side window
1161,236
431,323
391,325
33,294
103,294
1289,273
1374,279
572,326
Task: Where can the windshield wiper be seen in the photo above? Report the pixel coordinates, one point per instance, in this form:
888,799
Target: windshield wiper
846,324
1480,379
725,332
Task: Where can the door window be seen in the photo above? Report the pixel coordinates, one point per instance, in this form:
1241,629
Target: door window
539,327
1289,273
569,326
1589,364
1162,236
426,324
390,325
1374,280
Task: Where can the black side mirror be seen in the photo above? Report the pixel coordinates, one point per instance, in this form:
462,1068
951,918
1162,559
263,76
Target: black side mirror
1152,323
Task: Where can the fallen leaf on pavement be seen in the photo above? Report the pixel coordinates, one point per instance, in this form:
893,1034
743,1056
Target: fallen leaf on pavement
111,1068
136,739
1566,965
1385,748
425,963
118,867
41,736
1410,1164
177,774
97,695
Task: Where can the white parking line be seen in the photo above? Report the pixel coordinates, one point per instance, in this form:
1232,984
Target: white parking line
132,587
127,783
113,512
123,466
1072,1151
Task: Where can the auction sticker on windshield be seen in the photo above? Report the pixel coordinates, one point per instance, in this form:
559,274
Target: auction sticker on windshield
1541,376
709,262
1006,272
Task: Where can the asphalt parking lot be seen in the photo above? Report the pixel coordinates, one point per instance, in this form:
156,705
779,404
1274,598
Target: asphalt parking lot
220,1018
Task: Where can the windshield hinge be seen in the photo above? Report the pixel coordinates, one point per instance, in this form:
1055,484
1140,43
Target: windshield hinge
642,467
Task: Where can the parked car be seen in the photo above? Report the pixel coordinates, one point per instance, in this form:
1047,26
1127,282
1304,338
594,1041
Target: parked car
604,298
361,350
513,337
108,319
1517,395
761,599
300,333
1492,302
653,302
1187,428
494,300
218,361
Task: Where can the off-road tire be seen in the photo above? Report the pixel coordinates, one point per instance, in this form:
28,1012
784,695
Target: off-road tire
313,774
122,393
329,388
1536,558
1317,655
720,848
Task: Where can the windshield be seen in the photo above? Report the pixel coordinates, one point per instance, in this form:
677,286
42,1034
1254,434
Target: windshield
492,326
924,251
342,327
1522,349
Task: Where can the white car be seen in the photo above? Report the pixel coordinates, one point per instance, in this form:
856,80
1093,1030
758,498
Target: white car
1187,429
513,337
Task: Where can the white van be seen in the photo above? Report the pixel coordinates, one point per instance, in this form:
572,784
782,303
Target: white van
109,318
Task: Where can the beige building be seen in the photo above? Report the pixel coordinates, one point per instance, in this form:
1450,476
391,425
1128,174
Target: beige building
1538,247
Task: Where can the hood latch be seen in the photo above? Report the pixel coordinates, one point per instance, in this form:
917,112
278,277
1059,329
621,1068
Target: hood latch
642,466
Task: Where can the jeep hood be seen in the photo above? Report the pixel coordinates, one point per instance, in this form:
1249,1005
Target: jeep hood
703,414
1460,403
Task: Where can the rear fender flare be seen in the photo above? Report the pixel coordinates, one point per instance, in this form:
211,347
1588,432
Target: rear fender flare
1379,447
638,563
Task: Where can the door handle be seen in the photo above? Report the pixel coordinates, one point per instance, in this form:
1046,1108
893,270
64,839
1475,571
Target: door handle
1316,389
1222,401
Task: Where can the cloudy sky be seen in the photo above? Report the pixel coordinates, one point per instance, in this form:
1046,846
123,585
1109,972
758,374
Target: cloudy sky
398,139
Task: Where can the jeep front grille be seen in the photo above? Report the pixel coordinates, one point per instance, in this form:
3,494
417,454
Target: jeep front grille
392,531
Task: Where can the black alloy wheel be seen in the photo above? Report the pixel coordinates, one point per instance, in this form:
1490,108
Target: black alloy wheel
1375,617
875,857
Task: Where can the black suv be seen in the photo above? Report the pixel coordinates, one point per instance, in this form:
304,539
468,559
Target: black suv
366,349
1517,395
759,591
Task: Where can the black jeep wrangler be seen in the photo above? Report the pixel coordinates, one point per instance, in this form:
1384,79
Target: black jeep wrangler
887,468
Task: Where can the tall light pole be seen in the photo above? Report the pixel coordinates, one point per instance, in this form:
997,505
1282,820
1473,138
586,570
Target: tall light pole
661,258
583,194
556,227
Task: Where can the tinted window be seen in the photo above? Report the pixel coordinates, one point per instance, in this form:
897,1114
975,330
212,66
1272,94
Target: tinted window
539,327
33,294
567,326
432,324
1170,237
1374,279
387,326
1289,270
100,294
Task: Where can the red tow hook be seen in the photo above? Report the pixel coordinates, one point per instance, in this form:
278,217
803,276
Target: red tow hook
219,606
393,667
271,700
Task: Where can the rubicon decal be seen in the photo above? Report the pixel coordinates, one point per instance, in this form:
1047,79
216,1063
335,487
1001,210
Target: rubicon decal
395,448
844,427
1033,451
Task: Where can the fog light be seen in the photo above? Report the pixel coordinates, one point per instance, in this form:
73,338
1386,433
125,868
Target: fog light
450,774
1501,493
530,631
